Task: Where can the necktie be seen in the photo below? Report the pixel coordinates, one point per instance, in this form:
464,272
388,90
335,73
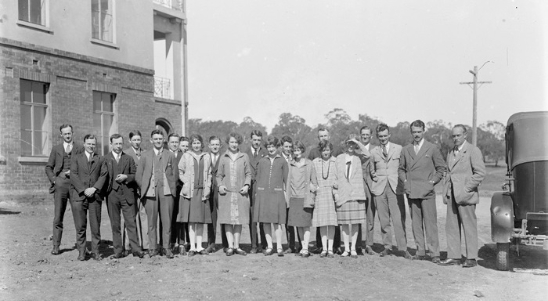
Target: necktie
456,149
117,158
417,149
348,169
384,152
68,149
138,153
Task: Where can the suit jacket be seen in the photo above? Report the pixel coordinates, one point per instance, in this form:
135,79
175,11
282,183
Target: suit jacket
417,171
144,170
84,174
127,167
55,161
384,169
465,173
214,196
366,170
186,174
178,155
131,152
351,188
254,160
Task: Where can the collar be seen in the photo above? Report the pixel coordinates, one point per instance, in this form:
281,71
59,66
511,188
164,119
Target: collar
387,146
66,144
255,150
293,162
88,154
135,150
156,151
348,158
367,146
462,145
115,155
419,144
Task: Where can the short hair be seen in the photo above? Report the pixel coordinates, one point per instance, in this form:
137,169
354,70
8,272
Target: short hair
184,138
417,123
271,140
135,133
256,133
325,144
365,127
214,138
286,139
174,135
156,132
382,127
462,126
236,136
116,136
196,137
321,129
90,136
64,126
299,145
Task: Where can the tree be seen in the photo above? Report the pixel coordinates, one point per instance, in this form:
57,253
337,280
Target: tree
247,126
439,133
491,147
293,126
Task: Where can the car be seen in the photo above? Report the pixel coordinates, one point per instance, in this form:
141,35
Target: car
519,213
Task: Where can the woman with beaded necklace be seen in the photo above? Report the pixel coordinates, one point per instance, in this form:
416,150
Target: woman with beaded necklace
324,215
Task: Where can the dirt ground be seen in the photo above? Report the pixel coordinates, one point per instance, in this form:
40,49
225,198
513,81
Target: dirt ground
29,272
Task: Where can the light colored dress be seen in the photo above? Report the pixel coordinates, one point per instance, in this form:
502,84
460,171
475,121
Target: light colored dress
324,213
233,173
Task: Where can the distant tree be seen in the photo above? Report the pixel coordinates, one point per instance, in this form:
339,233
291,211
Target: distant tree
490,145
294,126
439,133
400,134
496,128
337,115
211,128
248,125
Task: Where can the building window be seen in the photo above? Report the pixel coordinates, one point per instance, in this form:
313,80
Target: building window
33,11
104,119
102,20
35,119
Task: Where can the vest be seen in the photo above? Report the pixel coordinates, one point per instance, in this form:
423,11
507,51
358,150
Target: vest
66,161
116,169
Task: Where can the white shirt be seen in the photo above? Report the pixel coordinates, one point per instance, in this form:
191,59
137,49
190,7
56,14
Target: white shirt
254,151
214,158
67,144
156,151
348,158
460,148
387,147
420,145
88,154
116,156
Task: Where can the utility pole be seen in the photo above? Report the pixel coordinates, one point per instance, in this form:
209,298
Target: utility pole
475,106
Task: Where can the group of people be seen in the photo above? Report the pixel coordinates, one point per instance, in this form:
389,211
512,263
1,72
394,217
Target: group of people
176,188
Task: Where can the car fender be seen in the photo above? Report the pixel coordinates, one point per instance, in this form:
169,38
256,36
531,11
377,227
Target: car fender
502,217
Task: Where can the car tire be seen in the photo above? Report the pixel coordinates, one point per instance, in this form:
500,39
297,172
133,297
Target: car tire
503,256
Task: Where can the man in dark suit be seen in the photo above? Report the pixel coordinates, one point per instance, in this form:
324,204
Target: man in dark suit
173,141
58,172
88,174
466,171
121,196
421,168
157,177
255,153
214,148
323,135
134,151
370,210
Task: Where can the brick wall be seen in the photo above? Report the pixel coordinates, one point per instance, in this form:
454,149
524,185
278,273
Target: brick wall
72,79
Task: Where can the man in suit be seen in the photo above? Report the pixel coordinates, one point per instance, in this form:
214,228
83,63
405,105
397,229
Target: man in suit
255,153
58,172
466,171
121,196
214,148
387,191
421,168
183,237
88,174
173,141
287,150
135,151
370,208
323,135
157,177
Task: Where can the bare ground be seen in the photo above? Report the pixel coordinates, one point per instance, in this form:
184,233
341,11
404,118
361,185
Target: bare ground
29,272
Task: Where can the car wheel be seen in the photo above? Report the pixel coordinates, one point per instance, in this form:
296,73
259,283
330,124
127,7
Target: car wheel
503,256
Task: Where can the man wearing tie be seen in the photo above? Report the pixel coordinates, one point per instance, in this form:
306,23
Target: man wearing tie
255,153
173,141
387,191
421,168
121,196
465,173
157,178
134,151
58,172
214,148
88,174
370,208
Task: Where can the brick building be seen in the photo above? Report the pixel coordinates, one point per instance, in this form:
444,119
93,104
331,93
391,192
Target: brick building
95,67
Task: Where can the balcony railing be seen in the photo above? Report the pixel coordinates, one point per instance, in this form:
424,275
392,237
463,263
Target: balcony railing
162,87
173,4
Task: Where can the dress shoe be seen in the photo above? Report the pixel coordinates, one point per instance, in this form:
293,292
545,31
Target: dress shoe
450,261
253,251
204,252
210,249
470,263
82,255
281,252
96,256
407,255
268,251
229,252
287,251
369,251
330,254
225,250
305,253
55,250
152,253
240,252
353,254
182,250
338,251
139,254
118,256
191,253
436,259
168,253
323,254
318,250
386,252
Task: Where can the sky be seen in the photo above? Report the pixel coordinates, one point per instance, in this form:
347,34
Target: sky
393,60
